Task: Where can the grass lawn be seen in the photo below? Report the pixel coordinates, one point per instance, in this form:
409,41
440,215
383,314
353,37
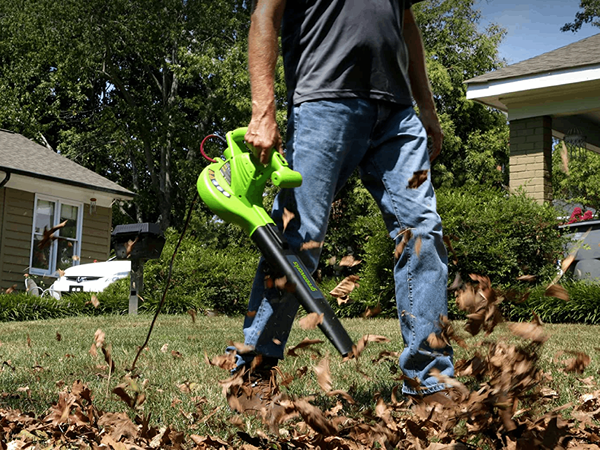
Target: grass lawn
40,359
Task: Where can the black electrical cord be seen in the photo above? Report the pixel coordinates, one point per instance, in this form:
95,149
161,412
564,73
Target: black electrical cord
164,296
187,222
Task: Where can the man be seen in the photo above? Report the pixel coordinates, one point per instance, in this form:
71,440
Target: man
350,67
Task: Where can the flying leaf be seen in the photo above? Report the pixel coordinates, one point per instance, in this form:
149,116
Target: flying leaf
11,289
129,246
192,314
372,311
528,278
406,236
99,337
345,287
48,235
306,343
418,243
95,301
556,290
418,178
58,336
349,261
311,321
323,374
566,263
531,331
287,216
311,245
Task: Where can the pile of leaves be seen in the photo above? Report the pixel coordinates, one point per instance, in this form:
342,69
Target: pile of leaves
500,400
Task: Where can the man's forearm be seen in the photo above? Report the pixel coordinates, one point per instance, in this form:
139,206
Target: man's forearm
421,90
262,55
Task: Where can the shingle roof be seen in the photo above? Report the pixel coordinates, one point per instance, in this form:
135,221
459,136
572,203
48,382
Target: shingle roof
578,54
22,156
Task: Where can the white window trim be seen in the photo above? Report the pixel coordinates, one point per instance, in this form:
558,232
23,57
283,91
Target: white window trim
52,271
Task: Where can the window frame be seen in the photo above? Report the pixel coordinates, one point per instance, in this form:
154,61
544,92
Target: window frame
58,202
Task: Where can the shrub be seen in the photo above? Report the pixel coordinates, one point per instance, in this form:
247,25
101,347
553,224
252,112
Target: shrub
583,306
493,233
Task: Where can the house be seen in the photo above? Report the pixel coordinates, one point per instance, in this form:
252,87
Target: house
555,95
40,189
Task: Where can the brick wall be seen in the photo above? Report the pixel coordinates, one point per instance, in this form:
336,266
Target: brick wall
531,156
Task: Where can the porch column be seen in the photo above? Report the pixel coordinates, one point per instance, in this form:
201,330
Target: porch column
531,157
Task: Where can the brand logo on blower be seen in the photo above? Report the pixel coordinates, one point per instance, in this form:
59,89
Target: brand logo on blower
304,277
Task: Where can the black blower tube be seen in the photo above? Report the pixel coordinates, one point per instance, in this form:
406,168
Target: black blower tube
284,261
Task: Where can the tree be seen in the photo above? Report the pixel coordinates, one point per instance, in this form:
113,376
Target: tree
576,180
590,13
475,146
127,88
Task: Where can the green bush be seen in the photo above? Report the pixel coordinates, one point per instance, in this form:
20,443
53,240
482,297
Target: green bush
583,305
493,233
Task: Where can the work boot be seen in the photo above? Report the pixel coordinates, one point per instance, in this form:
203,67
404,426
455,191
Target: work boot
256,388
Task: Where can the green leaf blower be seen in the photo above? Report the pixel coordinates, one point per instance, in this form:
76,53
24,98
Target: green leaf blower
233,188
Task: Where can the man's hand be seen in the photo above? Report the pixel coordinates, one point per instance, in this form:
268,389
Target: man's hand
263,48
263,135
433,128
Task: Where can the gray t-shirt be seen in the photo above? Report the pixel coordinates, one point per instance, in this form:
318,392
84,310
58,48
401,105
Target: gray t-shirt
345,48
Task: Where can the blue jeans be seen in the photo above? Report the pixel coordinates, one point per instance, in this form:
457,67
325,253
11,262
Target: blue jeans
327,141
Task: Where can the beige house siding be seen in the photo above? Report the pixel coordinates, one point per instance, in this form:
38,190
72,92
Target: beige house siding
16,224
95,243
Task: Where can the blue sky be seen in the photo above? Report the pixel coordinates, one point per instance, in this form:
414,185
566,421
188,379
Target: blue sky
533,26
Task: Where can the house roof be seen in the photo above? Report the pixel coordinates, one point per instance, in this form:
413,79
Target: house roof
579,54
21,156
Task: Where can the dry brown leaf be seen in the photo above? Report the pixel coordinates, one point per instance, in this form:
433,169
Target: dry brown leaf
94,301
345,287
418,243
528,278
406,237
241,348
99,337
311,321
372,311
564,156
418,178
11,289
311,245
556,290
567,262
129,246
349,261
323,374
314,418
192,313
58,336
531,331
251,314
287,216
577,364
164,348
306,343
75,258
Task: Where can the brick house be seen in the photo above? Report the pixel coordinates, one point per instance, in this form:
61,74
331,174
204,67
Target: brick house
545,97
40,189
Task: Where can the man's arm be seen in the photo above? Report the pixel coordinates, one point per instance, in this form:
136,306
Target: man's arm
263,49
419,83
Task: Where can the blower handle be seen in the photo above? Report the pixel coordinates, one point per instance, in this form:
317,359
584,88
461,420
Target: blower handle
281,174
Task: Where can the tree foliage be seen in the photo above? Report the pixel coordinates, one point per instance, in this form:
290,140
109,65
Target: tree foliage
576,180
589,13
475,148
127,88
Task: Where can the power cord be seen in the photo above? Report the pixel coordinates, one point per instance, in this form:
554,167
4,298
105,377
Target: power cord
187,222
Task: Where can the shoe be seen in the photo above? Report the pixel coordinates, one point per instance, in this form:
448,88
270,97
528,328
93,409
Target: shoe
254,391
446,397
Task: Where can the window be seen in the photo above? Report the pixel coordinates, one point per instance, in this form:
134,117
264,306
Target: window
63,248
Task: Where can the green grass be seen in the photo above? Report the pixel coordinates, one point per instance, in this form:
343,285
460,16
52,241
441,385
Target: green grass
35,369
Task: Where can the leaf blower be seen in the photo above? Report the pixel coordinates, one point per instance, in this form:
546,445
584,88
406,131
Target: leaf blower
233,188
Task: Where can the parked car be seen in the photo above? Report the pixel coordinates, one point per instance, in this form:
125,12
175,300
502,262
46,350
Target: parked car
586,240
93,277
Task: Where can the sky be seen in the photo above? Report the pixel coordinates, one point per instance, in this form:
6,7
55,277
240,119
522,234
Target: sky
533,26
